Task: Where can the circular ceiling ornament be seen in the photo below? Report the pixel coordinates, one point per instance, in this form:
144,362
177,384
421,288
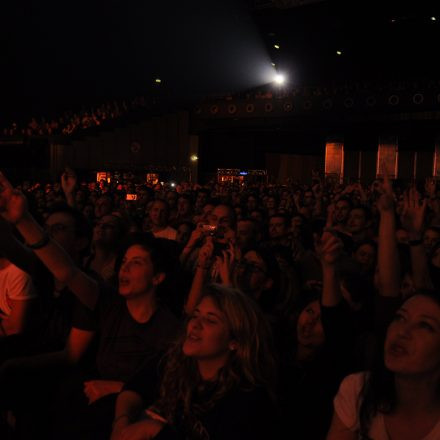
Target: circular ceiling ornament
418,98
288,106
232,109
393,100
307,105
371,101
327,104
348,102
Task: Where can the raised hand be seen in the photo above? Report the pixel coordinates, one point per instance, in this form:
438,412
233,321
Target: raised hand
385,202
13,204
430,187
205,254
413,215
225,264
329,248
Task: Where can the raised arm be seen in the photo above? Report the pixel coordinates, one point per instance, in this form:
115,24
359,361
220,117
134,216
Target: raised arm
388,257
329,250
413,217
15,251
13,208
203,267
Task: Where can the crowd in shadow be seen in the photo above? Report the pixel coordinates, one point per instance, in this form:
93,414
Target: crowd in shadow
223,311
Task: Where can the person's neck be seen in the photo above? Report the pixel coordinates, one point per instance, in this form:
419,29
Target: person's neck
158,228
209,368
416,393
142,307
103,253
304,353
4,263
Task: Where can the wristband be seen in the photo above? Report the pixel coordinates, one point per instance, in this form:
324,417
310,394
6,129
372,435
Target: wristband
44,241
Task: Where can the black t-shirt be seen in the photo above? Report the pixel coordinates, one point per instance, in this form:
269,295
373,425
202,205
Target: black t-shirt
238,415
125,345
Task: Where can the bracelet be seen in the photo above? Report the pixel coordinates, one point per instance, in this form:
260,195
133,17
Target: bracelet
44,241
415,242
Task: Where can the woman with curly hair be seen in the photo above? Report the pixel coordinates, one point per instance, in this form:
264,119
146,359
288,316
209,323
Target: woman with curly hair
400,398
217,381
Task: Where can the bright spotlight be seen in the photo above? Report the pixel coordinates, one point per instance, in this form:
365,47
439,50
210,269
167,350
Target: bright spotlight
172,184
194,158
279,79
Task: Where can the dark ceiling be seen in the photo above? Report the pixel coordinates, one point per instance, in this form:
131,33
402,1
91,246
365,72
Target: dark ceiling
58,55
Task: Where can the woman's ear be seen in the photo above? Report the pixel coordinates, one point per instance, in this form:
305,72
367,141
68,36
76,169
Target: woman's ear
233,345
268,284
159,278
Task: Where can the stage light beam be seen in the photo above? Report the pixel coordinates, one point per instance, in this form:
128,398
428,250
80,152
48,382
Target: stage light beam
279,79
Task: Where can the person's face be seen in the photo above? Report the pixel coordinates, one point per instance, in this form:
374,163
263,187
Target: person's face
106,229
271,203
277,227
365,255
297,222
136,275
310,332
171,198
201,199
412,344
61,227
342,209
206,212
251,203
245,233
207,333
257,215
309,198
183,206
159,213
103,206
430,238
356,221
221,217
251,274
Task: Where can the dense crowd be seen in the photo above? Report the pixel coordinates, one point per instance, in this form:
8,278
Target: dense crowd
73,121
222,311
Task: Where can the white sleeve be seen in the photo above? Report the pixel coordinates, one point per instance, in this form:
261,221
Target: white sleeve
20,285
346,402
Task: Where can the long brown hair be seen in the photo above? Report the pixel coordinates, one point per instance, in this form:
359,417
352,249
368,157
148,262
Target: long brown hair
251,365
